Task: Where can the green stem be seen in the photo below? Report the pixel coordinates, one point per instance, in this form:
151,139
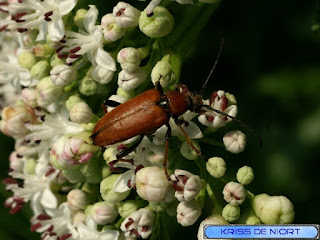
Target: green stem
217,207
212,142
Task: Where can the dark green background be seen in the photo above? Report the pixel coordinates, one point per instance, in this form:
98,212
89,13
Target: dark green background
270,62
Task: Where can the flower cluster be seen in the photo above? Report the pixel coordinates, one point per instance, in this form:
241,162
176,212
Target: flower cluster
57,63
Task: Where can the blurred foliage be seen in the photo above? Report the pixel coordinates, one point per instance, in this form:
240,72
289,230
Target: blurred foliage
271,63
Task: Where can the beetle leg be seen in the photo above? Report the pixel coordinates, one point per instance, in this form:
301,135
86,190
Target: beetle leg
165,161
158,86
179,122
109,103
128,150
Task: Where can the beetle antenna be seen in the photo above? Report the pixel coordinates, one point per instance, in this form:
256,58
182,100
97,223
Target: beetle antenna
245,126
204,86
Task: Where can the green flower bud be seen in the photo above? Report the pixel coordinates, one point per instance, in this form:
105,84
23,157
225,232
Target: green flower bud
127,207
79,17
245,175
40,70
27,60
43,50
78,217
157,206
188,152
106,172
72,100
158,25
216,166
78,199
231,99
92,171
47,92
88,86
110,154
162,71
274,209
125,93
81,113
106,190
248,216
231,213
30,166
73,176
54,61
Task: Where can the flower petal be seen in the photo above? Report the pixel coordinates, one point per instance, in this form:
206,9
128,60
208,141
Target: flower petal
104,60
56,30
121,184
90,18
66,6
48,200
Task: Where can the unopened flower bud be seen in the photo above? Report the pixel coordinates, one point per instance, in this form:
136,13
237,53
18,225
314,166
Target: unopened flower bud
47,92
78,199
245,175
188,152
73,176
40,70
162,72
43,50
125,208
126,15
81,113
215,219
234,141
70,151
188,213
55,60
92,171
107,192
88,86
131,80
274,209
79,17
186,184
234,193
216,166
111,30
231,213
79,217
125,93
139,223
103,212
13,120
72,100
158,25
63,75
102,75
129,58
152,183
30,166
29,96
27,60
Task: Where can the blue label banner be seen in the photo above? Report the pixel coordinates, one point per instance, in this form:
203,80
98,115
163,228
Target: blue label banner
304,231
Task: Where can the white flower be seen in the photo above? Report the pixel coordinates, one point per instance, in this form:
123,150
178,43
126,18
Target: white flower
111,30
234,141
186,184
129,58
234,193
126,15
152,183
62,74
131,80
188,213
44,15
103,212
89,231
90,42
138,224
219,101
36,187
56,222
